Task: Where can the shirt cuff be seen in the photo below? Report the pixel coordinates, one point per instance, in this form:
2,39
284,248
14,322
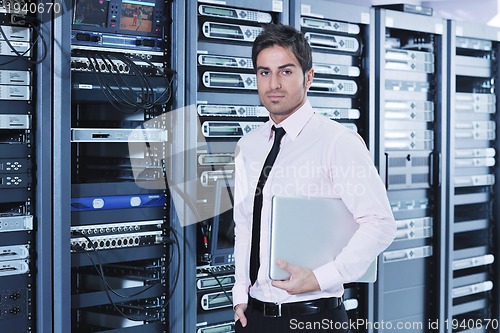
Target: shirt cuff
240,295
328,276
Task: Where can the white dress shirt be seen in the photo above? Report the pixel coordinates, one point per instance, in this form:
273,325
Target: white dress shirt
318,158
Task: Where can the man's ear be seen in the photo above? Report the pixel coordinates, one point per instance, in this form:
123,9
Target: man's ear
309,76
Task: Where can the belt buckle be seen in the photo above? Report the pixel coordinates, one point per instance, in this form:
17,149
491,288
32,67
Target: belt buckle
273,314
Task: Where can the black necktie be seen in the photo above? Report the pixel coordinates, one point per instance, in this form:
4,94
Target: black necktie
257,203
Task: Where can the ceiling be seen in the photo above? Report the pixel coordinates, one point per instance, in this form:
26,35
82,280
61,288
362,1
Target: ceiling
478,11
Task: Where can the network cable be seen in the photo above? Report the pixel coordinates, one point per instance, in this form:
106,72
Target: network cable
108,289
117,87
20,55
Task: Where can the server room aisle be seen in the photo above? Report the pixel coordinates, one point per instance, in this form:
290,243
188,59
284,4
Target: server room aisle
118,125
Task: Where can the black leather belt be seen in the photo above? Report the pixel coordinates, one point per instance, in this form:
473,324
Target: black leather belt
294,309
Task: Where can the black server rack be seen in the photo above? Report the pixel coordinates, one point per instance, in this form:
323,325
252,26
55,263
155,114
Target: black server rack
340,37
124,252
23,48
410,74
223,105
472,291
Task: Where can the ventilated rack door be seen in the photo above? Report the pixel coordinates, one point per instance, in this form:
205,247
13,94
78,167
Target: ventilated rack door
409,77
473,170
223,106
339,35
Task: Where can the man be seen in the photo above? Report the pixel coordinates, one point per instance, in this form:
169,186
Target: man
139,18
316,157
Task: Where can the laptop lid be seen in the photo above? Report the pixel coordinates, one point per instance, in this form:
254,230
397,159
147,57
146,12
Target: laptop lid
310,232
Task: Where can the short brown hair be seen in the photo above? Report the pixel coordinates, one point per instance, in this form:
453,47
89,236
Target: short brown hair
285,36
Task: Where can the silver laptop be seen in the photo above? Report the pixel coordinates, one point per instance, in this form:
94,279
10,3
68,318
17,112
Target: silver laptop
310,232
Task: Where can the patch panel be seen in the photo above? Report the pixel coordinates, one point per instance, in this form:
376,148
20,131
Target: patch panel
117,241
115,66
111,228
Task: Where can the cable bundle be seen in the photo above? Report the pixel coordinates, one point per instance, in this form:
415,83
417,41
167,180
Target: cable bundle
109,290
133,91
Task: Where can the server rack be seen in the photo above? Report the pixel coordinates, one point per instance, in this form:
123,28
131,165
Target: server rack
22,163
341,39
51,147
471,299
113,216
410,97
222,105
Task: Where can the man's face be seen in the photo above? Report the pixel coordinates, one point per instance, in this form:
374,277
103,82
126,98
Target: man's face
280,82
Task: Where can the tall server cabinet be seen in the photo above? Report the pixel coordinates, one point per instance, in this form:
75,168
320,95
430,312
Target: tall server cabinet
409,104
23,48
471,299
119,249
223,105
339,36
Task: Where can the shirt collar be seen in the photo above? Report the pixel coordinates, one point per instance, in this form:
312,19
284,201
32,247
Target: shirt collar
294,124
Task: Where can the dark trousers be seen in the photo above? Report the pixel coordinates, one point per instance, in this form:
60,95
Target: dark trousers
328,321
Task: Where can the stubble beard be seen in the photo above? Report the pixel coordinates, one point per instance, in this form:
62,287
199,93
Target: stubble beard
276,110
